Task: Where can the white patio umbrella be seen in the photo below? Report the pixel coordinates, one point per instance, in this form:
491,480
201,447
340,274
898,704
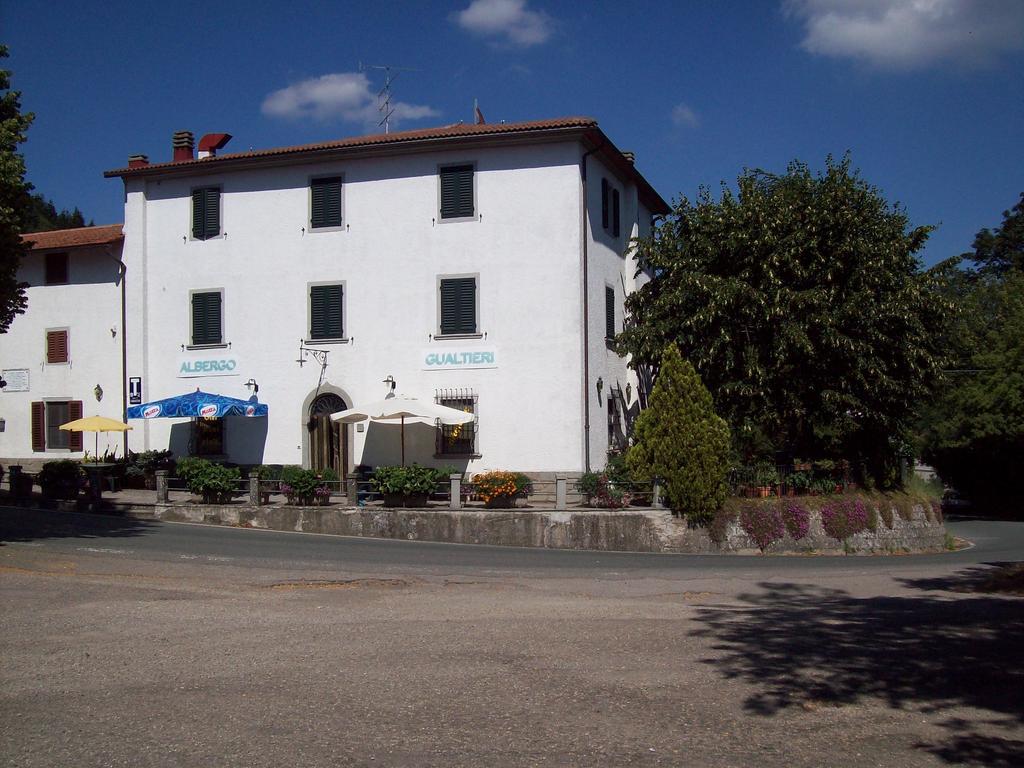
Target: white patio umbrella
401,408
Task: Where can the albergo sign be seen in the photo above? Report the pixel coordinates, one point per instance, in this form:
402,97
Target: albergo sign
194,366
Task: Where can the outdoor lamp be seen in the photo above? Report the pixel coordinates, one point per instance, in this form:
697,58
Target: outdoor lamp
98,391
629,392
253,386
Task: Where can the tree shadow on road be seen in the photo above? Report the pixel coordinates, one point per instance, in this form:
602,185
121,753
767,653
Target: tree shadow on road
806,646
24,524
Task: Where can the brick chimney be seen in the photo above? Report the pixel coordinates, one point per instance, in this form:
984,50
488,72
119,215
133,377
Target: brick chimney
137,161
183,144
211,142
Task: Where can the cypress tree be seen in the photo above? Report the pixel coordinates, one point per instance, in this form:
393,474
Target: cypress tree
680,439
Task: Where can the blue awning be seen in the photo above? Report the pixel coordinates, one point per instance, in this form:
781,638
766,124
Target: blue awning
197,404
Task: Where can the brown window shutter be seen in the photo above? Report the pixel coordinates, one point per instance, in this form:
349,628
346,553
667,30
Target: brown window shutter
38,427
75,412
56,346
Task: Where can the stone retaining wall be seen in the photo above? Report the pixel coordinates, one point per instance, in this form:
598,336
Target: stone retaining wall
630,530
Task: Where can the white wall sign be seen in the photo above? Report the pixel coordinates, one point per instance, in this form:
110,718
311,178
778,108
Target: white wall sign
212,364
445,358
135,390
16,378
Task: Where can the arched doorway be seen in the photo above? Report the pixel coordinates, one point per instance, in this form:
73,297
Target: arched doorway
328,440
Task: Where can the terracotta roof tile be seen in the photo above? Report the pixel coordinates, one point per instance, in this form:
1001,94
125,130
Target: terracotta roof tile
456,131
75,238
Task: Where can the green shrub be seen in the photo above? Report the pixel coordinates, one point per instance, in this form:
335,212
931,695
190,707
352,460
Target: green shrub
189,465
718,530
680,439
587,485
406,481
214,482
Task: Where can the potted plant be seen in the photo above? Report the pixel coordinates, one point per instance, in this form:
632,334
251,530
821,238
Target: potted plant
215,483
60,479
406,486
766,477
303,486
798,482
500,489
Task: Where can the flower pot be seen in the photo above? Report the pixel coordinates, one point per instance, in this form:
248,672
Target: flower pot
416,499
394,499
501,502
764,491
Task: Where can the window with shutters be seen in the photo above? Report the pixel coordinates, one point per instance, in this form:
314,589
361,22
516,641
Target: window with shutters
616,223
47,416
457,192
57,348
205,213
457,306
207,318
458,439
609,313
325,202
327,312
56,270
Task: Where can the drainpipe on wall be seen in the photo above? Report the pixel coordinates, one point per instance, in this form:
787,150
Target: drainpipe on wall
123,269
585,234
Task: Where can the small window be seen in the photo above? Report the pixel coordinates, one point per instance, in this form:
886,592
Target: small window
209,437
56,269
205,213
46,420
609,312
457,192
458,306
325,203
207,325
57,350
604,203
616,225
458,439
326,315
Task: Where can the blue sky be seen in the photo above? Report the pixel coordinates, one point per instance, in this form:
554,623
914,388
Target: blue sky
927,95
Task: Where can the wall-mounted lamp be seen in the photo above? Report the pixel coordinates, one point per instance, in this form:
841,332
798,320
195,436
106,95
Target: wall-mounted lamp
629,392
3,382
98,391
390,381
254,388
600,386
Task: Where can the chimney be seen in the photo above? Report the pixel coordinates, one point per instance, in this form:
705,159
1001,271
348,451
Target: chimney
183,144
211,142
630,156
137,161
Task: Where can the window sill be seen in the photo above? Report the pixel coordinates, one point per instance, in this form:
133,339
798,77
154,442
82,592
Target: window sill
457,219
207,346
343,340
316,230
444,336
458,455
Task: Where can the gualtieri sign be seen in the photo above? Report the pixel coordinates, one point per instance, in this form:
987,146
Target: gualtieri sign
447,359
193,367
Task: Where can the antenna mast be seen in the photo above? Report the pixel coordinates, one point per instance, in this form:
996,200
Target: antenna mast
384,95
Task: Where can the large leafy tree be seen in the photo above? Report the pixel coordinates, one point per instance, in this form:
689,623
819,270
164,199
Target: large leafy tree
802,305
15,202
973,430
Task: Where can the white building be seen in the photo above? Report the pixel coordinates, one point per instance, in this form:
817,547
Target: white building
482,266
63,358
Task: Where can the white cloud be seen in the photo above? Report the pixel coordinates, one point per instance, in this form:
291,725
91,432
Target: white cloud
683,116
507,20
344,96
909,34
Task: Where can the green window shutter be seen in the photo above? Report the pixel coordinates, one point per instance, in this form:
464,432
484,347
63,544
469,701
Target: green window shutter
325,203
604,203
616,226
457,192
325,312
205,213
609,313
458,305
206,318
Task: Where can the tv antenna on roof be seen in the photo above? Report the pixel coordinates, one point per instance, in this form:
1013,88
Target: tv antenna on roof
384,95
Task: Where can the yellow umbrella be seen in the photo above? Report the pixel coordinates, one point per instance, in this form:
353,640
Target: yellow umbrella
95,424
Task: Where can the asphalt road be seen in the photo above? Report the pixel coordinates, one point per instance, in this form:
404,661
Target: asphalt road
152,644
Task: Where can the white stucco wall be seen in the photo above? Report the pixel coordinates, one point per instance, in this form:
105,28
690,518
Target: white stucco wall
89,306
524,245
